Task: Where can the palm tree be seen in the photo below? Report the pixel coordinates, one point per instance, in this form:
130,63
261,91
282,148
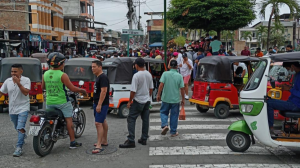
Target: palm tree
261,32
227,34
247,35
275,11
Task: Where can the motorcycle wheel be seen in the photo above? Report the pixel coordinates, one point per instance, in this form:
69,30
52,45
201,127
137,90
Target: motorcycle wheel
79,124
42,143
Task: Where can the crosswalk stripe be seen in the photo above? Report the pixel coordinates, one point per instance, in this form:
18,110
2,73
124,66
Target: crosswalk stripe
182,137
198,119
213,150
185,108
186,113
181,127
250,165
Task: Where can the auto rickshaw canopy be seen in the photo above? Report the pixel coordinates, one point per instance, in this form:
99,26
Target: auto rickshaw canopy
80,69
31,68
219,68
120,70
286,57
41,56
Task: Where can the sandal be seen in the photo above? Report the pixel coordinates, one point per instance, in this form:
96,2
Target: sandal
174,135
97,150
101,144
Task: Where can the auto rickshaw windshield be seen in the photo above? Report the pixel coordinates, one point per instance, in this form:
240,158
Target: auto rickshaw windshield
276,70
78,72
256,77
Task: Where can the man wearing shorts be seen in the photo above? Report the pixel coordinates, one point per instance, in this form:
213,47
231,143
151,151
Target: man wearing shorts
55,82
186,67
101,104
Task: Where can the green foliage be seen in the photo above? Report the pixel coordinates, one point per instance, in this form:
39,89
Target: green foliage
209,15
180,41
261,35
246,35
172,31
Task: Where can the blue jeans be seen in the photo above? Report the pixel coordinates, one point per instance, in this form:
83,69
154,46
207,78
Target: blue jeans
273,104
164,113
19,121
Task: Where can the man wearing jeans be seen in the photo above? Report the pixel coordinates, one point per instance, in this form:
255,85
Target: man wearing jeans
17,87
293,103
141,92
171,83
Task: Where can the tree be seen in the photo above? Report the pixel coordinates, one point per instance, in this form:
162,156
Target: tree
277,34
247,35
172,31
227,34
180,41
275,11
209,15
261,34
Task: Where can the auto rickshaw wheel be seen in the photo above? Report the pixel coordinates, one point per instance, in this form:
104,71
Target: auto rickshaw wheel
238,141
123,111
201,109
221,111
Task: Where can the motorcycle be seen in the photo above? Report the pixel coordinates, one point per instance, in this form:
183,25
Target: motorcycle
48,126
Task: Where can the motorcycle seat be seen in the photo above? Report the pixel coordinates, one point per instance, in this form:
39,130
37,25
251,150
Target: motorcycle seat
53,114
290,114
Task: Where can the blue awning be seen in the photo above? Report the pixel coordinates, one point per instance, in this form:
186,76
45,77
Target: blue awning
156,44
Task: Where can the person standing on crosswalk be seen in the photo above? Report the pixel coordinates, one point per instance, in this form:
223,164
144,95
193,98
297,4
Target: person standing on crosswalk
171,83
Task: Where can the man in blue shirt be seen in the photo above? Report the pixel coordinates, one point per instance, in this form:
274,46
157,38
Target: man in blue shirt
200,55
292,104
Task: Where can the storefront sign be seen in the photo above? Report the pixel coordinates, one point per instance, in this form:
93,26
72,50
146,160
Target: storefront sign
34,37
93,38
132,32
64,38
70,39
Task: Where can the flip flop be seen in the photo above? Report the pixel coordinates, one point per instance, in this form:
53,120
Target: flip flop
101,144
98,150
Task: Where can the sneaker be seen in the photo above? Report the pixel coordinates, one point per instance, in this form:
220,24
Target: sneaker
165,130
74,145
18,152
186,97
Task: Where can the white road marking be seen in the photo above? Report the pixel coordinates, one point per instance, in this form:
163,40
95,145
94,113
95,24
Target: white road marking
199,119
157,108
186,113
191,127
213,150
182,137
250,165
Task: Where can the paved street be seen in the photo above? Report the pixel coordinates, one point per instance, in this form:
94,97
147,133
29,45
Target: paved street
201,143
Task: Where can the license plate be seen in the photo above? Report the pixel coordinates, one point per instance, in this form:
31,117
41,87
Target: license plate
34,130
206,98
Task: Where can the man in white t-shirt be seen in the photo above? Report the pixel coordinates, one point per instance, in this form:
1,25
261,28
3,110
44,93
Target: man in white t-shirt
186,67
17,87
240,64
141,92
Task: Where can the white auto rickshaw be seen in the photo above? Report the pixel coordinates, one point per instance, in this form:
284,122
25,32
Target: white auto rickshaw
120,72
253,106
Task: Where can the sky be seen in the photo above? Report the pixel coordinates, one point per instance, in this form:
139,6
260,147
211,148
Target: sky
114,13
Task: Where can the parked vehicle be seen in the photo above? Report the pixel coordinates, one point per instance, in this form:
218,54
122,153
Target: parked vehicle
253,106
81,69
120,72
48,126
112,49
43,58
215,85
33,70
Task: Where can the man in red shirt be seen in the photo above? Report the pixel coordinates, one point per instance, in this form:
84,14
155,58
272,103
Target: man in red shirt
246,52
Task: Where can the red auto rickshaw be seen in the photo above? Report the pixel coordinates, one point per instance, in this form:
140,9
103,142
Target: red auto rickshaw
43,58
33,70
215,85
81,69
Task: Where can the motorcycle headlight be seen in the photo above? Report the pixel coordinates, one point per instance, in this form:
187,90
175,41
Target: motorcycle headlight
246,108
277,94
273,94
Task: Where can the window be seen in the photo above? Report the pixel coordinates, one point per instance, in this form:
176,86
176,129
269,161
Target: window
66,24
30,15
254,81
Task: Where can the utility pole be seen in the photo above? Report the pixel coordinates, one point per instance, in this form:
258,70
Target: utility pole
165,30
139,24
130,12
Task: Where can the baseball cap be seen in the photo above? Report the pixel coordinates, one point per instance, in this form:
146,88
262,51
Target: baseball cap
173,63
175,54
140,62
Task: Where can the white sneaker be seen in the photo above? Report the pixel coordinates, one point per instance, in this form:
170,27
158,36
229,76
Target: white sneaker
186,97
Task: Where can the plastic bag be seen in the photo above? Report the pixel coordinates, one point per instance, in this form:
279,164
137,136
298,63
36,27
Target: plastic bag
182,114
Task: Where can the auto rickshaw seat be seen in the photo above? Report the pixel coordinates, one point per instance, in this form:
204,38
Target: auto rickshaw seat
290,114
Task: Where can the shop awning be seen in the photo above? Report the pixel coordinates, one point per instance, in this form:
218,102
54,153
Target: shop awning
15,44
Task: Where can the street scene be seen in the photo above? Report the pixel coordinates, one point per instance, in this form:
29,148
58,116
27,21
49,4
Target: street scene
150,83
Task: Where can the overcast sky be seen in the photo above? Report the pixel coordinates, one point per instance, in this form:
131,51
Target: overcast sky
114,13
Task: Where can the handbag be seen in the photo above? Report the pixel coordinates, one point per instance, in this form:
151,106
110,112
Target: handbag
182,114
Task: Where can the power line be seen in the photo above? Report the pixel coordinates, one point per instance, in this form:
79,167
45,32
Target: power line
107,7
112,20
149,7
118,22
